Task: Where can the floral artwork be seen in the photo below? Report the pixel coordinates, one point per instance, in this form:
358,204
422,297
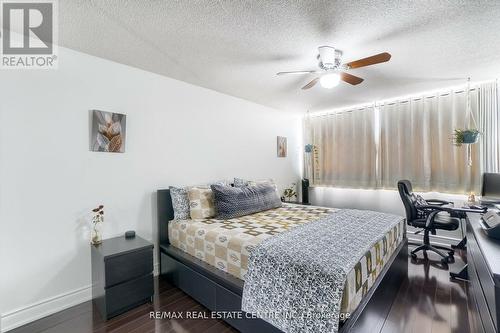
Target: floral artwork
108,132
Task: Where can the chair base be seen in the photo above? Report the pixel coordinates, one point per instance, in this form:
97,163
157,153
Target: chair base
445,259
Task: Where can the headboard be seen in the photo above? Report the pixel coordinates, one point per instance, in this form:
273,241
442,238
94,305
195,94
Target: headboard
165,214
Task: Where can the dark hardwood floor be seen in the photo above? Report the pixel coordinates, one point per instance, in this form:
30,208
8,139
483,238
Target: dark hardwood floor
427,302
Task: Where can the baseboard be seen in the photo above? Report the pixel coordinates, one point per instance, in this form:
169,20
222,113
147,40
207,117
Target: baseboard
35,311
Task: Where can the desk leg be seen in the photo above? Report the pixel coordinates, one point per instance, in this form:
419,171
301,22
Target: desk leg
461,275
463,242
461,245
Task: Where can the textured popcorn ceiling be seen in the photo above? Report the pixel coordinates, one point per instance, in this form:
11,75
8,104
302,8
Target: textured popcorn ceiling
236,47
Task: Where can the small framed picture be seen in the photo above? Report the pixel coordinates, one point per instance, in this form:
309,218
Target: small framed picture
281,146
108,132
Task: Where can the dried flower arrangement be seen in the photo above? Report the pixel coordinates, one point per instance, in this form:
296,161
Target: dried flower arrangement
97,220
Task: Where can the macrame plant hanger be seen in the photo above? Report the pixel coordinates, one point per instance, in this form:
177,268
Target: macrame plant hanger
469,120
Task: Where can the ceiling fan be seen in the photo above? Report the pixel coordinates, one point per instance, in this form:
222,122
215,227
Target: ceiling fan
332,69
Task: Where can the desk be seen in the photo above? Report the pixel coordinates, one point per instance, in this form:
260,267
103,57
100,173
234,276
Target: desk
483,269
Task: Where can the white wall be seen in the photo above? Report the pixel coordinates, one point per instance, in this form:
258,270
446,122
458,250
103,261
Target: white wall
386,201
176,134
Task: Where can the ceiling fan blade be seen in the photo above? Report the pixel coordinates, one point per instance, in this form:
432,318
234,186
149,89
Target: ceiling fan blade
311,84
351,79
297,72
376,59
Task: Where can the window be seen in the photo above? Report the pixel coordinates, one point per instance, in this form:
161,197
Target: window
375,146
345,150
416,144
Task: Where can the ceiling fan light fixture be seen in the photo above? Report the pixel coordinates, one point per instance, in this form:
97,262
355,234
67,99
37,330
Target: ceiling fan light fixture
330,80
332,69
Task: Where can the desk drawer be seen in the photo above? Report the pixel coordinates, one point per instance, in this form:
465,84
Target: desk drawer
485,280
128,266
476,324
481,283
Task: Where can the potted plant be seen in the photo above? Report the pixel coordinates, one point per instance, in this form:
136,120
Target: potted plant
465,136
290,192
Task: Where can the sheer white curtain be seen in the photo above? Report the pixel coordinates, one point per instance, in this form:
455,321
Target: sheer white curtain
374,147
404,133
489,125
416,143
345,150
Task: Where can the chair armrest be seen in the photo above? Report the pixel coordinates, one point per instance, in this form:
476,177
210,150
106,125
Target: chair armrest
433,211
430,219
450,210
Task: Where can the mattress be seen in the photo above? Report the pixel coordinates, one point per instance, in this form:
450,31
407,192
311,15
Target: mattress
226,244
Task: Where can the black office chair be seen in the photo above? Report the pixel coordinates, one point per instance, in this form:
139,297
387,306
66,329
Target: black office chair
428,218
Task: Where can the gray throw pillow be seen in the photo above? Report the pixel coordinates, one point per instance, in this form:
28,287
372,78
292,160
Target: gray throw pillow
231,202
180,202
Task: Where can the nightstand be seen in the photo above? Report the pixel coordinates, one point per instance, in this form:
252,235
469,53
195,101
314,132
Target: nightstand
122,274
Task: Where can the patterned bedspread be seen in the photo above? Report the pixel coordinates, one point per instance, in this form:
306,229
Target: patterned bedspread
296,280
227,244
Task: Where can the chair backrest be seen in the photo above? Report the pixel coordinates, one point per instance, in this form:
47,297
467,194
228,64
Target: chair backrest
491,185
406,191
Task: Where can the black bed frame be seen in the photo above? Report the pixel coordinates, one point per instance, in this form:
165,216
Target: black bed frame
220,291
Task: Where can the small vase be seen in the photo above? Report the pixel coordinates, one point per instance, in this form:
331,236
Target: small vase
96,234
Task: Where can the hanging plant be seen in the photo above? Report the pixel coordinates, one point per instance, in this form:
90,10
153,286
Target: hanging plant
465,136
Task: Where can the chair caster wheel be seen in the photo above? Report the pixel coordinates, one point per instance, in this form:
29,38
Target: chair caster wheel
414,256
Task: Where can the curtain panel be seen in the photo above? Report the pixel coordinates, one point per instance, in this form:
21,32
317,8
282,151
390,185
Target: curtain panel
489,125
416,144
374,147
344,149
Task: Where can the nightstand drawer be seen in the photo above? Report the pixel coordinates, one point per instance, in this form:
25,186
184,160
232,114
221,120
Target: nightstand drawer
128,266
125,296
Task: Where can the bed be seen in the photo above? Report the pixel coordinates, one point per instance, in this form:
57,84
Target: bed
208,259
